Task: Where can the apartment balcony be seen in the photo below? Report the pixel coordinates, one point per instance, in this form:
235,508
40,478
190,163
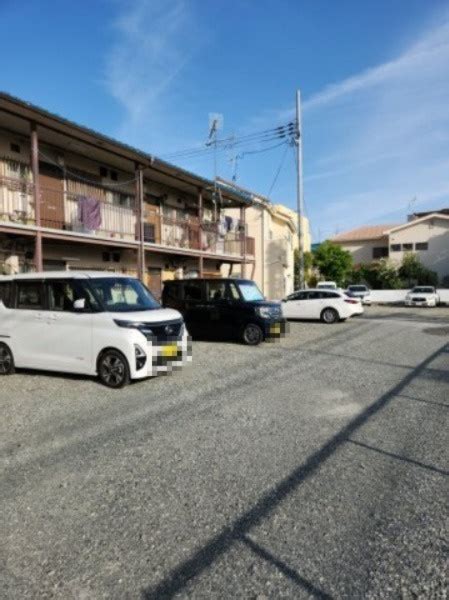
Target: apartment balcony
100,212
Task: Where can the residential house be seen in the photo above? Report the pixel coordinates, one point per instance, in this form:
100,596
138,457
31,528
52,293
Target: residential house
274,230
425,234
365,243
73,198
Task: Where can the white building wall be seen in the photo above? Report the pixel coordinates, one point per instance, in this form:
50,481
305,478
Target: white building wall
362,251
434,232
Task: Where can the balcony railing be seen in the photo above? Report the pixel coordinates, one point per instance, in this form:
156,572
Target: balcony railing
106,213
16,201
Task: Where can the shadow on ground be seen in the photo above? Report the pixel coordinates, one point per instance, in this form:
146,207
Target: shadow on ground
240,529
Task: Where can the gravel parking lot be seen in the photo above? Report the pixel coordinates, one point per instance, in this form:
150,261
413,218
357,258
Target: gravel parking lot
311,467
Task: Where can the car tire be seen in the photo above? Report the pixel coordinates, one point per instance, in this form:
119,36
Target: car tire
113,369
329,316
6,360
252,334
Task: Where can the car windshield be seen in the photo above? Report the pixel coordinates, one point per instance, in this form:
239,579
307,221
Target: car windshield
326,286
423,290
122,294
357,288
250,291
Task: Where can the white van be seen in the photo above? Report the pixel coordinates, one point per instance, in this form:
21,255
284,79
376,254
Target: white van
88,323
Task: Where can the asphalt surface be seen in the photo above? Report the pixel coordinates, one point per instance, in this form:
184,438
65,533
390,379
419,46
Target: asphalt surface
315,467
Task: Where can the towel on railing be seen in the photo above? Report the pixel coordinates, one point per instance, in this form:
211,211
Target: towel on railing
89,212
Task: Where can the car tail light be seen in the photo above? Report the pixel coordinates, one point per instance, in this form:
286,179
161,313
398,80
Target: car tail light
351,301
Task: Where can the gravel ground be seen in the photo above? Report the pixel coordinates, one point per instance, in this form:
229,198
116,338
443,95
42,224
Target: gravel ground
311,467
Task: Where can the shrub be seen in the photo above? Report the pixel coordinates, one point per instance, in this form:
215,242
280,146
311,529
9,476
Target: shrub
413,272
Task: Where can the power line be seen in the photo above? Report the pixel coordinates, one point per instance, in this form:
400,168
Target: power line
279,169
84,179
267,135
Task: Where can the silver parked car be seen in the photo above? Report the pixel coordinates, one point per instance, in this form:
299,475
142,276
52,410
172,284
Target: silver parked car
359,291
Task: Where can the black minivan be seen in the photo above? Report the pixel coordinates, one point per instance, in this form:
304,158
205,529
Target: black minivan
225,308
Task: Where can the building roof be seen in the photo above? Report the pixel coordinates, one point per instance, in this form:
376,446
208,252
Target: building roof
276,210
427,217
371,232
418,215
27,110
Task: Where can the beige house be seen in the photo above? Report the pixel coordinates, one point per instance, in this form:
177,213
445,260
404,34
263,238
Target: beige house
427,237
72,198
274,230
424,234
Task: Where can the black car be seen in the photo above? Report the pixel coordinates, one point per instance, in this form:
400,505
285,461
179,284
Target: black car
225,308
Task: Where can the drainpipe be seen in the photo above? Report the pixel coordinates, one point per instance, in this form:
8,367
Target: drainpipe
262,243
243,237
38,260
140,221
200,230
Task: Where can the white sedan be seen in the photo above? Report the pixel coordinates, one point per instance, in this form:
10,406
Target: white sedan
325,305
422,295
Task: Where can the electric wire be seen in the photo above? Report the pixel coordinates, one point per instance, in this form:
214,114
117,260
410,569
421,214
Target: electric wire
279,169
281,131
84,179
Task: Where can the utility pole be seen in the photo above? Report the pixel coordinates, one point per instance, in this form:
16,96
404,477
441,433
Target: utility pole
299,188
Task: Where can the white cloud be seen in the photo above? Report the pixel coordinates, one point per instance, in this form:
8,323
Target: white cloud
155,40
381,137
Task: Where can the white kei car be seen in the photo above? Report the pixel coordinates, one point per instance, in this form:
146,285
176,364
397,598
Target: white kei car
329,306
422,295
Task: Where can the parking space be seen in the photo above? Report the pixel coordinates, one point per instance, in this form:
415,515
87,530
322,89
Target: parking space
309,466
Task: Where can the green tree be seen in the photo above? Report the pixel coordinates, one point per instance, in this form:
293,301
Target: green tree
308,265
333,262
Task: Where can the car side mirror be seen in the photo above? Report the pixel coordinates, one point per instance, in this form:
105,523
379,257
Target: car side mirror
79,304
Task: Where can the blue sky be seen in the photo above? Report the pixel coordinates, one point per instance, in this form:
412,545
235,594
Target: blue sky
374,78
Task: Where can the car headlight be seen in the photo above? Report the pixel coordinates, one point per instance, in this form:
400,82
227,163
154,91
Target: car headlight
265,312
142,327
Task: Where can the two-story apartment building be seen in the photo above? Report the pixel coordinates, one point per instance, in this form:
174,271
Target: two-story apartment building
73,198
274,228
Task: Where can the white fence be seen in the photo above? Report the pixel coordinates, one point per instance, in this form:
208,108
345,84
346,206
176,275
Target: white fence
398,296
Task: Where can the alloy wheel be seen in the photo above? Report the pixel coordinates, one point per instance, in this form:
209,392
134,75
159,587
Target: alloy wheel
330,315
113,370
252,335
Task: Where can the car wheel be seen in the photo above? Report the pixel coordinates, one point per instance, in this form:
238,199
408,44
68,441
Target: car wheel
252,335
329,315
113,369
6,360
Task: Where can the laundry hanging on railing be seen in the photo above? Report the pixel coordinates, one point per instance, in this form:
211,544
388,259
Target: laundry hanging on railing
89,212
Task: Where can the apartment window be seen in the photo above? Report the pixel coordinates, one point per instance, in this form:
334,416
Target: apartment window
380,252
123,200
103,172
395,247
149,233
407,247
29,295
421,246
113,175
14,147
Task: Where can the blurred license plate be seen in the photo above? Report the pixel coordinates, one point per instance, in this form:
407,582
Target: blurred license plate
169,351
275,329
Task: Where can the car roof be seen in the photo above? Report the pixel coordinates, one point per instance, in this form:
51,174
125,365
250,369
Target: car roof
63,275
318,290
188,279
